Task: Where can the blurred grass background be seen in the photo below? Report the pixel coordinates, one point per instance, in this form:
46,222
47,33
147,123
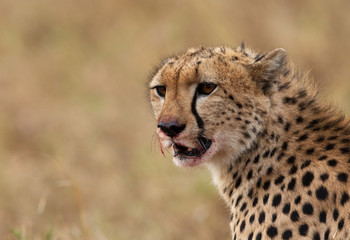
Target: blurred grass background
78,156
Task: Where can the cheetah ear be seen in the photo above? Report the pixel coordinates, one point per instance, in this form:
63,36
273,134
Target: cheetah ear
266,70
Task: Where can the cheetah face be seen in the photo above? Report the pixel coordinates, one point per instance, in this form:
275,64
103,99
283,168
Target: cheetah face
204,106
181,124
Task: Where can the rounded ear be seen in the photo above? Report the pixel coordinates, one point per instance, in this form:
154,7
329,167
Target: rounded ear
266,70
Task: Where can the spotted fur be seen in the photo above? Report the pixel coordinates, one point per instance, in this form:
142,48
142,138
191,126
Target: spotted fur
280,155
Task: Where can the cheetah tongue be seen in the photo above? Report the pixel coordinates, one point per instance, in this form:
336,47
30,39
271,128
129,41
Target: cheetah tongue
178,149
204,145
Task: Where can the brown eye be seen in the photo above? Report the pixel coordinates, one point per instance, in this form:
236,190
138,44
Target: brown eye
161,90
206,88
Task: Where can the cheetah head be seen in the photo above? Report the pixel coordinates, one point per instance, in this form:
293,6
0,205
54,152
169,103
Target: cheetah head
209,102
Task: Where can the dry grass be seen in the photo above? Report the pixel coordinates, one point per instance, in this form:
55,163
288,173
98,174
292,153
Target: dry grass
78,157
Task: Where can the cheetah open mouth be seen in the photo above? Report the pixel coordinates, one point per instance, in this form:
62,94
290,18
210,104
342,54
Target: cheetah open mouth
204,145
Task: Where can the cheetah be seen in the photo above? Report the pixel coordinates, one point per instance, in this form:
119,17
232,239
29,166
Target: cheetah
278,153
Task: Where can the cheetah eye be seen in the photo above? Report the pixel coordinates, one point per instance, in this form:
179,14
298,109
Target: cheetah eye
206,88
161,90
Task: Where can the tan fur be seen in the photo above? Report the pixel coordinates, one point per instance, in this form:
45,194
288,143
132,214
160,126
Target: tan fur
269,130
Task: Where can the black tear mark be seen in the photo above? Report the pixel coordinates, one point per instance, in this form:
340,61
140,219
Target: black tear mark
199,120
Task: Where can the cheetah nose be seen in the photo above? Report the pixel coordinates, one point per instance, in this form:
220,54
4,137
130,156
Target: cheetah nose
172,128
